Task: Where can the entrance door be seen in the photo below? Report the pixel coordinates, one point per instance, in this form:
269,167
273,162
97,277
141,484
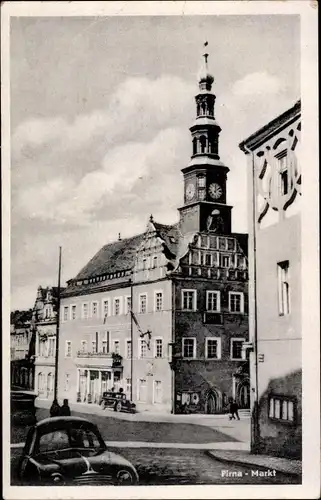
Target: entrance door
212,402
244,395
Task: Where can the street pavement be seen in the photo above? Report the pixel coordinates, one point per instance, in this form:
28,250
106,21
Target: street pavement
132,430
180,467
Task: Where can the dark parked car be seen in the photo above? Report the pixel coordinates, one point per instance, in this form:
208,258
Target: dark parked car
70,451
117,401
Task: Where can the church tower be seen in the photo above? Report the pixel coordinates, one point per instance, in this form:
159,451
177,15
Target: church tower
205,207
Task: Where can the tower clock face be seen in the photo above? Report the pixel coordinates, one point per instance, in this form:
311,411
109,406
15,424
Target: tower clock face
215,191
190,191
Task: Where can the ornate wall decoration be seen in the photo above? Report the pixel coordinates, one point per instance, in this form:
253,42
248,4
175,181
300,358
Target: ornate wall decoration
274,161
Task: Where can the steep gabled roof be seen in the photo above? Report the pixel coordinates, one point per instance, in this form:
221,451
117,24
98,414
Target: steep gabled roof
170,234
111,258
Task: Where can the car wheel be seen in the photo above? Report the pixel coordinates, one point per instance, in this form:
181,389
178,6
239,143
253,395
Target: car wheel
125,477
118,406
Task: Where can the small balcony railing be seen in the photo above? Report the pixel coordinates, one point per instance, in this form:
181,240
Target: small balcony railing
116,358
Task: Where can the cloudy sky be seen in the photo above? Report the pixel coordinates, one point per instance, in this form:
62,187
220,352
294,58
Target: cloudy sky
100,116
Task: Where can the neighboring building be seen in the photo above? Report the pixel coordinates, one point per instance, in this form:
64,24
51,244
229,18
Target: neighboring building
186,285
275,303
22,349
45,321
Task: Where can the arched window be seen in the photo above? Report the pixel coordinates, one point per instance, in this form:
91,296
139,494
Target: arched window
203,108
40,388
194,146
198,109
203,143
49,383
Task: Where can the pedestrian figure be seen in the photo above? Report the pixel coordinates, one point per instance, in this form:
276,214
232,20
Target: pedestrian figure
234,410
55,409
65,410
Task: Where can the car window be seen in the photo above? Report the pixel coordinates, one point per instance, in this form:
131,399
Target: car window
84,438
53,441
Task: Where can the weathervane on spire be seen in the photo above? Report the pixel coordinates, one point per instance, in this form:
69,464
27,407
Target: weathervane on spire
206,54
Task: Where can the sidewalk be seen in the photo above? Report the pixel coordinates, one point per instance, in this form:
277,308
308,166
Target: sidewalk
236,457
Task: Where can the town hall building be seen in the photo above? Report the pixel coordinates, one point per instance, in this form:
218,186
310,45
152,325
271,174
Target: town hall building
164,314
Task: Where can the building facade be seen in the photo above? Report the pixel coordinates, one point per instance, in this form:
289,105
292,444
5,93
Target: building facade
22,349
274,177
164,314
45,321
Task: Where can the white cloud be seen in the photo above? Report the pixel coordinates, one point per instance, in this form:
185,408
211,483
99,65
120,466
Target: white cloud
260,83
137,104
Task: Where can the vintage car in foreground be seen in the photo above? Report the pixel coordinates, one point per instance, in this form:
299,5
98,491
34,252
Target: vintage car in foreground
118,401
70,451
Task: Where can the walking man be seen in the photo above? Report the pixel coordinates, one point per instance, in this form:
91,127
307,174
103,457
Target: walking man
234,410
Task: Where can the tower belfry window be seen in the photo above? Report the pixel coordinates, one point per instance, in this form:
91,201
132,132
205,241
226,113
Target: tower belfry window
194,146
203,143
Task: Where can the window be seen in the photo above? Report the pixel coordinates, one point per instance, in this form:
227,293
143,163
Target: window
236,349
94,309
73,312
116,346
142,390
128,304
281,408
158,348
158,391
225,261
142,348
201,194
230,244
68,349
54,441
128,349
50,383
239,261
284,288
189,348
189,300
116,307
93,346
85,311
213,301
144,264
158,301
143,303
66,308
84,346
201,181
155,261
67,380
236,302
213,348
208,259
52,346
283,171
105,308
106,343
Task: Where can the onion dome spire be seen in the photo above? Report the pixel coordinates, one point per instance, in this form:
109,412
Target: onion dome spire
205,78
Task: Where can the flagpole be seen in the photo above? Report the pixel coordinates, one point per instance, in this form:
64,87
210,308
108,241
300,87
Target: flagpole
131,338
58,324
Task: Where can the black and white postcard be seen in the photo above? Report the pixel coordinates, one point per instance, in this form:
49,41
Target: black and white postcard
160,250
